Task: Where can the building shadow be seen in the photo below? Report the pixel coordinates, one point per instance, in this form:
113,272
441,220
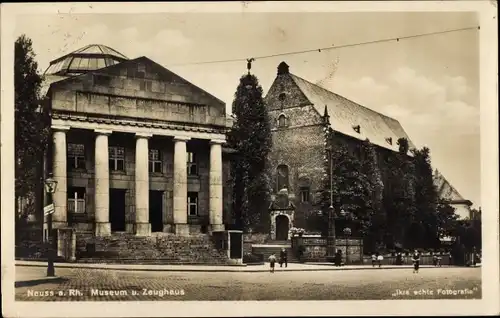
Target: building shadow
35,282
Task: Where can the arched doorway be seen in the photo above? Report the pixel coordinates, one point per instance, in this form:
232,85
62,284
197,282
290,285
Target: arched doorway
282,227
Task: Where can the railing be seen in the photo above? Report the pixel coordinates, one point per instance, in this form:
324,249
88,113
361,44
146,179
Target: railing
76,206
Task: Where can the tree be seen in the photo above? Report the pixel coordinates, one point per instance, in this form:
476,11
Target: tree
399,202
32,126
377,226
426,224
351,189
251,138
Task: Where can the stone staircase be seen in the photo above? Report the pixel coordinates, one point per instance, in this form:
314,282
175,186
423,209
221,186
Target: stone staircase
275,247
160,248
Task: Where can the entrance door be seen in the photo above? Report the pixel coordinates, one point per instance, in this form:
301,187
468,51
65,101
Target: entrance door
235,242
117,209
282,228
156,210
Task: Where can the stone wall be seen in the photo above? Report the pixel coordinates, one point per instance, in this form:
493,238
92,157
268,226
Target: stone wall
315,248
164,249
254,238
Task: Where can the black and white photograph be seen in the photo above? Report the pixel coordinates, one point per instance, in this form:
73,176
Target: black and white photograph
249,151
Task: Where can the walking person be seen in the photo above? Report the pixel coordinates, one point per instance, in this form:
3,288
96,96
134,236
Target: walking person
374,260
416,261
272,261
380,258
283,258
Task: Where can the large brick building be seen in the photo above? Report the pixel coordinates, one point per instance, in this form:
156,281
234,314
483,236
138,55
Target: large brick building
299,112
135,147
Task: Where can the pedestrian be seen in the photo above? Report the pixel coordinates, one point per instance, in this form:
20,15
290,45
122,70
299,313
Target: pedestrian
374,260
380,258
283,258
272,261
416,261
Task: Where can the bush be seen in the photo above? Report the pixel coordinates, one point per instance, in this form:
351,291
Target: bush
250,258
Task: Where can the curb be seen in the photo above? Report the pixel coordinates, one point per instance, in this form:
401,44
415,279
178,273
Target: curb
228,270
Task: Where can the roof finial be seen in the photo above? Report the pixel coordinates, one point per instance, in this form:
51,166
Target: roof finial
249,64
326,117
283,68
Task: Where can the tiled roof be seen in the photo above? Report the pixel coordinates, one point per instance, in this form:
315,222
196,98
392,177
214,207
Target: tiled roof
346,114
445,190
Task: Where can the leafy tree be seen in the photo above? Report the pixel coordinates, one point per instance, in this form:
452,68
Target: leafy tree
251,137
399,202
447,220
32,125
375,228
426,223
352,190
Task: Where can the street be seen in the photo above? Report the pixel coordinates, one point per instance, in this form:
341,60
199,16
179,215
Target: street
78,284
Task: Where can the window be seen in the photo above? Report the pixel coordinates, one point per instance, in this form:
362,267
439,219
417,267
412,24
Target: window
282,179
155,162
304,194
282,122
76,200
192,168
76,156
116,159
192,203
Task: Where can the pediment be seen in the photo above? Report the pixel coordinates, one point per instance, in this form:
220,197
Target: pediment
142,74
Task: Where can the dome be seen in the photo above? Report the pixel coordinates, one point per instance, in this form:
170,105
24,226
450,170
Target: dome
88,58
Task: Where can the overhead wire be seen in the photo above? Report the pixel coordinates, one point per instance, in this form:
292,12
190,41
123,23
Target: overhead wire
333,47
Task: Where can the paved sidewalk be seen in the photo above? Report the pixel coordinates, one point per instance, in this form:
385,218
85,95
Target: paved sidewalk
293,267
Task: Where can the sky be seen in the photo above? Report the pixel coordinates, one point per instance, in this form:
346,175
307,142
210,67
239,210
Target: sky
430,84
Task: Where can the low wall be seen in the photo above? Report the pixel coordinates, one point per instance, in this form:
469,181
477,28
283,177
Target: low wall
254,238
315,248
425,259
29,244
167,249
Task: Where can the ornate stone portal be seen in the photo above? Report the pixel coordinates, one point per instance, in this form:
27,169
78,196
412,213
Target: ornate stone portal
282,216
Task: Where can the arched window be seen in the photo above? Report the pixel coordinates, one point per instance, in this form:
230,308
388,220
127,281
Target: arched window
282,177
282,122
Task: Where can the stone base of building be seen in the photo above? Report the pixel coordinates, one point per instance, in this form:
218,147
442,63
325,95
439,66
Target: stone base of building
142,229
168,228
216,228
181,229
103,229
59,225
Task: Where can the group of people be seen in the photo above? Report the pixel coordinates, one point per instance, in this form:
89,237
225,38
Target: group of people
376,260
283,260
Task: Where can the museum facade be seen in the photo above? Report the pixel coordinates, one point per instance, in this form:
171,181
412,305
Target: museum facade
135,148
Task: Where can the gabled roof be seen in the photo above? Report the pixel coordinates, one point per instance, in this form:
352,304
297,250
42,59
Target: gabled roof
445,190
161,70
345,115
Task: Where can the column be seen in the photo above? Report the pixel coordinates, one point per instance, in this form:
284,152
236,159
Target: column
142,225
59,173
102,225
181,226
215,186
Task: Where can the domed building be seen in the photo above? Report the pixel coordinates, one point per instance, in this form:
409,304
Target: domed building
86,59
136,149
89,58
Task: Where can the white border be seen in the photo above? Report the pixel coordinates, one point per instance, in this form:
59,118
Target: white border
489,173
